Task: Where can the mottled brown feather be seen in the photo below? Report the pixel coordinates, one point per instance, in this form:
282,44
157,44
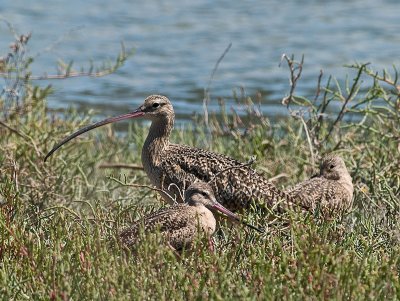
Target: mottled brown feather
178,225
330,192
235,189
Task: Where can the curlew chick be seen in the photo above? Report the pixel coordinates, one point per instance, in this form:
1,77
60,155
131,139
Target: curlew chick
181,224
330,192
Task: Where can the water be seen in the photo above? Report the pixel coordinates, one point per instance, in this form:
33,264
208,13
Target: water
178,43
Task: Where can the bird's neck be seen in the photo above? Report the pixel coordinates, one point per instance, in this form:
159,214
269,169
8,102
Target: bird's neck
346,182
157,141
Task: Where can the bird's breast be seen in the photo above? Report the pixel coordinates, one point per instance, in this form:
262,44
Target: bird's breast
206,220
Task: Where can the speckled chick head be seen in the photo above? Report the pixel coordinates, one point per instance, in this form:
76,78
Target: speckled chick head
333,168
157,106
200,193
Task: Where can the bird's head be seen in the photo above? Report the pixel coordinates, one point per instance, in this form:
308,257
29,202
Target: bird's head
154,107
333,167
157,106
201,194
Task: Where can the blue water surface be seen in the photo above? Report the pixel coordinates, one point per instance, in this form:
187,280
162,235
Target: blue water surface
178,43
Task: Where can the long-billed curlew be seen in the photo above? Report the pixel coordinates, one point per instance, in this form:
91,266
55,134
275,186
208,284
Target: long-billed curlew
180,165
181,224
330,192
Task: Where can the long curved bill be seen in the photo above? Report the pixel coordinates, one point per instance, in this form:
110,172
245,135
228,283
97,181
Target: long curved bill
230,214
133,114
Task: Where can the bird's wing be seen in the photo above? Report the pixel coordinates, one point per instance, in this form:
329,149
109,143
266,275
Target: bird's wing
234,188
165,220
337,199
308,191
318,192
183,236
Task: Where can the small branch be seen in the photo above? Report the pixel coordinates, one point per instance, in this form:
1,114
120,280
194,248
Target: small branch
294,77
15,175
321,111
385,78
11,129
346,100
26,137
121,165
67,73
281,175
309,140
142,186
206,98
179,191
10,27
318,92
216,66
63,208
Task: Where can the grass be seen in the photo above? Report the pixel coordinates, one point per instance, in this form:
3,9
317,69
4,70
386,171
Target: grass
59,220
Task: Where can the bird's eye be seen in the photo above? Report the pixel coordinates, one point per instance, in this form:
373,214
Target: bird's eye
331,166
203,194
156,105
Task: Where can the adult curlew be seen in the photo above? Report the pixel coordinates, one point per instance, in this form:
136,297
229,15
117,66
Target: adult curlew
181,224
330,192
173,167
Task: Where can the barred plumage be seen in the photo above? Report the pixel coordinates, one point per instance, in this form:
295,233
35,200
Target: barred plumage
330,192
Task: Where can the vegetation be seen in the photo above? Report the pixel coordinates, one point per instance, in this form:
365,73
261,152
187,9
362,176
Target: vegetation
59,220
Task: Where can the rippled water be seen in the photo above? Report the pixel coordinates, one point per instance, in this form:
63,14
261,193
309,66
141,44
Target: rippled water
178,43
